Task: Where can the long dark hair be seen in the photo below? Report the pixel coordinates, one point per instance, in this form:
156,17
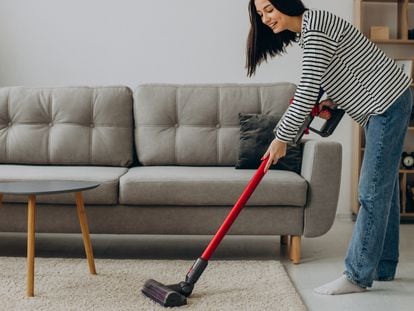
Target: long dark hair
262,41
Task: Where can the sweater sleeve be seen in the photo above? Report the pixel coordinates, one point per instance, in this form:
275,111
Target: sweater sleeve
318,51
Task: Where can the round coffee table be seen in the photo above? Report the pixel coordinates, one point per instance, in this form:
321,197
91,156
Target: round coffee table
44,187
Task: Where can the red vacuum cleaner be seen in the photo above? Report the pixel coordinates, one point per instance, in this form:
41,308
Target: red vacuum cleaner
175,295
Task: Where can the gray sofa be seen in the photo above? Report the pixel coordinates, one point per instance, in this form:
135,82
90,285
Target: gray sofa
164,155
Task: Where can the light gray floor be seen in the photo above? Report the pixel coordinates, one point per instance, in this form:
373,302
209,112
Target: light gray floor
322,260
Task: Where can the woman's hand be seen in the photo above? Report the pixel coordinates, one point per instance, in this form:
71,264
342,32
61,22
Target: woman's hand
276,150
325,103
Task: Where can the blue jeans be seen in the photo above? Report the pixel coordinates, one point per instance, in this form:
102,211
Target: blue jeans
373,250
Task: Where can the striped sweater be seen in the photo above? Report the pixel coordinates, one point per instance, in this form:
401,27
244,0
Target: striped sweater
353,71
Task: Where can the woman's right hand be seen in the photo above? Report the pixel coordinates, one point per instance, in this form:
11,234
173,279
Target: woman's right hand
276,150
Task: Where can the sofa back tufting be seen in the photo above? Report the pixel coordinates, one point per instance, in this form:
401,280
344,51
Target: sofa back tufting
66,126
199,124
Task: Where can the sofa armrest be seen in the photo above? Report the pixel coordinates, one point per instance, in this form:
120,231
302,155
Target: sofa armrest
321,167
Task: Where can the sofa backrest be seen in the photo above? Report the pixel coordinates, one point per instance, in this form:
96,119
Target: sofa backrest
66,125
199,124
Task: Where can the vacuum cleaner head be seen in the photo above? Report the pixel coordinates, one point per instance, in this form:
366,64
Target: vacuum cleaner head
163,294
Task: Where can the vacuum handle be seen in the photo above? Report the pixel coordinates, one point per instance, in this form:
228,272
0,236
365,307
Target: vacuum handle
231,217
331,124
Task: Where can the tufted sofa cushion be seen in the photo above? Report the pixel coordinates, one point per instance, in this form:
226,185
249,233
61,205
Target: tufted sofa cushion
199,124
67,125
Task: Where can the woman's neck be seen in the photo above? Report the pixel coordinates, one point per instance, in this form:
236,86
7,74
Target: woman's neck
295,24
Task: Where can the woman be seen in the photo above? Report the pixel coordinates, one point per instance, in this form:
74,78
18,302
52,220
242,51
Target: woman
360,79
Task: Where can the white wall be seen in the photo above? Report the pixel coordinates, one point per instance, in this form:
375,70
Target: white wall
130,42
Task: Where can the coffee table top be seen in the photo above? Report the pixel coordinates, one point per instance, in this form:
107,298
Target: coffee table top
45,186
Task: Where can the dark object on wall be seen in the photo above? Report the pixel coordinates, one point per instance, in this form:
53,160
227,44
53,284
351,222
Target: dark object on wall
411,34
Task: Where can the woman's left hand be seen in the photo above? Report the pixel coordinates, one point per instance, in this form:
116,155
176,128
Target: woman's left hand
324,114
276,150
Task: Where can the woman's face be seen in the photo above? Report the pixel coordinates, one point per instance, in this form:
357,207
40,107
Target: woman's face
271,17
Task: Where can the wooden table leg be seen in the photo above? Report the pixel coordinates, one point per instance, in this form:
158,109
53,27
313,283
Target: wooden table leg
31,215
85,232
1,199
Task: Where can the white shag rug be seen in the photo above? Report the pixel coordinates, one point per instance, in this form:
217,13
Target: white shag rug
65,284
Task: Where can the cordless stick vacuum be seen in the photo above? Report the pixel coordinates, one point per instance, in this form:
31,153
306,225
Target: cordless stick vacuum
176,294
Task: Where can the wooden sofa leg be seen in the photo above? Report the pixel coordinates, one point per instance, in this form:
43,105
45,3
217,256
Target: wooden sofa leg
294,248
284,239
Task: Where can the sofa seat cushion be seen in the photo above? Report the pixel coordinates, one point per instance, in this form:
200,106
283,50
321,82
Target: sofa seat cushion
106,193
185,185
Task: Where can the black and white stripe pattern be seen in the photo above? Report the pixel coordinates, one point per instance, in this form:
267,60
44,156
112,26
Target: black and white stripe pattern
351,69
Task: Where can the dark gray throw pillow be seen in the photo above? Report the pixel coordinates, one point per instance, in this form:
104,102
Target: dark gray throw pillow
256,134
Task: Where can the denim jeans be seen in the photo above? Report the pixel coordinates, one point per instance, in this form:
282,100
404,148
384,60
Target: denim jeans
373,250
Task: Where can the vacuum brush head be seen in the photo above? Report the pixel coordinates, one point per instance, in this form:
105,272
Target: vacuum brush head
162,294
